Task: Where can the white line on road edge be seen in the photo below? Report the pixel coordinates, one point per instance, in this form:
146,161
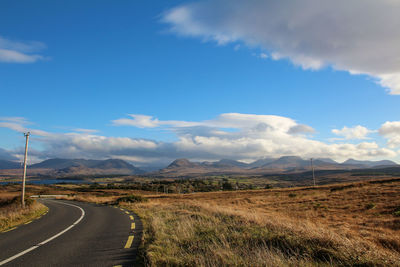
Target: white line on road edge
49,239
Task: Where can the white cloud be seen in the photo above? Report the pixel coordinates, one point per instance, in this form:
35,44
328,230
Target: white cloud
18,124
20,120
391,131
251,136
13,126
18,52
359,36
390,127
141,121
230,135
7,155
356,132
368,145
226,120
145,121
263,56
301,129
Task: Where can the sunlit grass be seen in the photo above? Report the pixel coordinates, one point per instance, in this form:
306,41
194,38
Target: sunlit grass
12,214
329,226
354,224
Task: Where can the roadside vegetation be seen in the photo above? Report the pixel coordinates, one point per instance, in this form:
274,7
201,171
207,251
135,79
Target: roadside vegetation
12,214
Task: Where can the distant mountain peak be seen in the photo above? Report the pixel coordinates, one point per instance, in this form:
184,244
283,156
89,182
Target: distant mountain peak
370,163
112,165
179,163
287,162
261,162
327,160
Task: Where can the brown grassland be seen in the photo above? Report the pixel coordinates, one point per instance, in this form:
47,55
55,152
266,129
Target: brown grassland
11,212
353,224
348,225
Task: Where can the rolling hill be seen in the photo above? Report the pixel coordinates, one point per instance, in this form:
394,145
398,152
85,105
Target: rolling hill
369,163
7,164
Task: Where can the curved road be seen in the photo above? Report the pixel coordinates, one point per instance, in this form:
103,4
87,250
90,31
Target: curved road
74,234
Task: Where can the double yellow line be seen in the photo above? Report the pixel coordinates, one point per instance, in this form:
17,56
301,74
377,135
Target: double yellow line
133,226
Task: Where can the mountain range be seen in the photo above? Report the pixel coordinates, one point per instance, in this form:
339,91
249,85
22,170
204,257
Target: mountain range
181,167
286,164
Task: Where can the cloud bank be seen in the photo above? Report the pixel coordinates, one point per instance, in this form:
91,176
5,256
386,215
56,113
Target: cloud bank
7,155
356,132
230,135
358,36
391,130
20,52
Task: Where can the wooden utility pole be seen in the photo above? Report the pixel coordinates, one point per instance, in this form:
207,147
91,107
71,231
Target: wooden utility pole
312,167
24,176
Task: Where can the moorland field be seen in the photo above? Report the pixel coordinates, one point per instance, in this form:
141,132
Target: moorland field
347,224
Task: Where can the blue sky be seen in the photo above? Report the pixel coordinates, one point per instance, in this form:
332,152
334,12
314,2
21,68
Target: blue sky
90,63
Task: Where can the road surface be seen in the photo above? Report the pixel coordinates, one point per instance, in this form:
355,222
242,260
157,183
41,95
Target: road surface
74,234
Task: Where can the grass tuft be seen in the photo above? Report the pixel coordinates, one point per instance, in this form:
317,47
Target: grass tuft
370,206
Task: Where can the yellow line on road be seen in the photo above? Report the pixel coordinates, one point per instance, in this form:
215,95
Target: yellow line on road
131,217
10,229
129,242
28,222
133,225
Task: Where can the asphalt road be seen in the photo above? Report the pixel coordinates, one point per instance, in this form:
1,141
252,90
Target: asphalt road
74,234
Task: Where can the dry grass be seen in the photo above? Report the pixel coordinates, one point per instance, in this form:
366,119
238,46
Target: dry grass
347,225
355,224
90,198
12,214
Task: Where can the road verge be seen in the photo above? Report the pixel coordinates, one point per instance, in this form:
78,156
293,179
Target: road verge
12,214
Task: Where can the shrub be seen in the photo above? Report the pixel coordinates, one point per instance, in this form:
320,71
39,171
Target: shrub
292,195
397,212
227,186
132,199
16,201
317,205
370,206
